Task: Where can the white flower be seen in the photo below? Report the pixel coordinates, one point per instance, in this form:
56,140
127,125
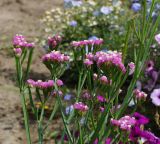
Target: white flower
106,10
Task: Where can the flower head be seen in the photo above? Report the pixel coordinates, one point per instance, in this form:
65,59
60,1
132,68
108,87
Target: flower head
80,106
73,23
106,10
157,38
140,119
101,98
17,51
136,7
155,96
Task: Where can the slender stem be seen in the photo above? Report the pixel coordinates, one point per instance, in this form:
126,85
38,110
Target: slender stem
23,101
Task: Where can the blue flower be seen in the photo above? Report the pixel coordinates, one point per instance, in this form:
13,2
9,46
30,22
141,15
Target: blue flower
93,38
96,13
69,109
106,10
67,97
136,7
73,23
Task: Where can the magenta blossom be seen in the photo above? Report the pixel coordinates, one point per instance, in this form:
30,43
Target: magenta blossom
124,123
87,42
140,119
139,94
108,141
88,62
17,51
40,84
101,98
155,96
59,82
20,41
80,106
55,56
54,41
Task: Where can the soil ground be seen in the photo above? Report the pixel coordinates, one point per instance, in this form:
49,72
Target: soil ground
17,16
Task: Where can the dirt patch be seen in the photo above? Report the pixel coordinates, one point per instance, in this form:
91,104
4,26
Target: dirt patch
23,17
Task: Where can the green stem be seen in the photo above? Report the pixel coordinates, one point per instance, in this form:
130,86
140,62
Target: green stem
23,101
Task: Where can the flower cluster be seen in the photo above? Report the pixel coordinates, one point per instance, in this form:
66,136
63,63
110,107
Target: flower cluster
17,51
55,56
131,68
20,41
54,41
139,94
80,106
87,42
43,84
155,96
124,123
101,98
108,59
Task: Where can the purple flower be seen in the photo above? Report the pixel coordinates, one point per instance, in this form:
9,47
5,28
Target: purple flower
108,141
150,137
155,96
101,98
135,133
80,106
140,119
106,10
17,51
136,7
73,23
157,38
67,97
124,123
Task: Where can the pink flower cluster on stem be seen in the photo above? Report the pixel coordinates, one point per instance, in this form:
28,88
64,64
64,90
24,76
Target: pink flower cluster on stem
110,58
20,41
80,106
87,42
17,51
54,41
124,123
55,56
139,94
43,84
107,59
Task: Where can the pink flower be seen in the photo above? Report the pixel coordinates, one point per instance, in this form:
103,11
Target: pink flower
157,38
20,41
155,96
124,123
55,56
104,80
95,76
59,82
111,58
80,106
88,62
17,51
139,94
108,141
87,42
40,84
54,41
131,68
101,109
101,99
